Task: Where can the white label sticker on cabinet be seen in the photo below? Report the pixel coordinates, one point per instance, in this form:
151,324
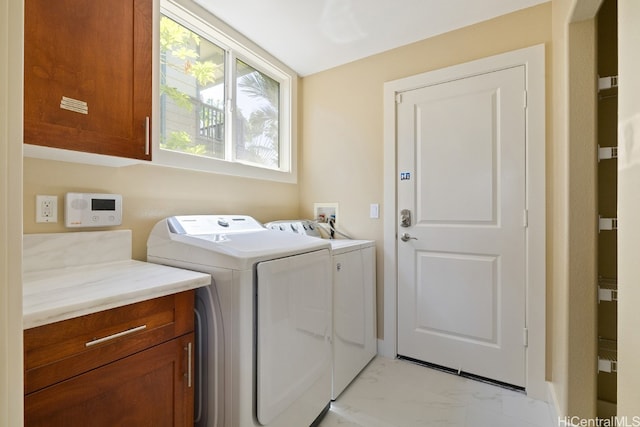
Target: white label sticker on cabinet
74,105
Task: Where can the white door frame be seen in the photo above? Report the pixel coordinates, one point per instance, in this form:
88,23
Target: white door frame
534,61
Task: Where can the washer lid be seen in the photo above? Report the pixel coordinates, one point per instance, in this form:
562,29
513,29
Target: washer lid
228,241
198,225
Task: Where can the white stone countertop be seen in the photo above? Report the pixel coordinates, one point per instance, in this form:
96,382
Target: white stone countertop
53,295
70,274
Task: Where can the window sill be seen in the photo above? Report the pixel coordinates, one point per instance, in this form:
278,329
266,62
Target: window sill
209,165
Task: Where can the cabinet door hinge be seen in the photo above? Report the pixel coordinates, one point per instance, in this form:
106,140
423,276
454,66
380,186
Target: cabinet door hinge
525,337
398,98
525,218
525,100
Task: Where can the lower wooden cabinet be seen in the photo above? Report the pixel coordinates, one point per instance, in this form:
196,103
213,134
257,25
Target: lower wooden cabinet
151,387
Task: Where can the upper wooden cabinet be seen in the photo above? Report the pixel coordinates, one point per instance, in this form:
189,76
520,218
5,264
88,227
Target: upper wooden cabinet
87,75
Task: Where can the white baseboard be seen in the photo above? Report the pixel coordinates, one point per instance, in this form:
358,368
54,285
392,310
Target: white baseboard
552,399
385,350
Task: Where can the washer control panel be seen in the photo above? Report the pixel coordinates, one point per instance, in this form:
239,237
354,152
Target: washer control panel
299,226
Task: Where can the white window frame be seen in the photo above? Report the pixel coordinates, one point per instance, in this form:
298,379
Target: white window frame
236,46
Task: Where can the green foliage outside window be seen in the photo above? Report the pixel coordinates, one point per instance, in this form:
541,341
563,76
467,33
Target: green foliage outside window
180,51
192,77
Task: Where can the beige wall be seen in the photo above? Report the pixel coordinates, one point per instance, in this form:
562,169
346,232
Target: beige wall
342,116
151,193
572,230
557,217
583,212
628,208
11,213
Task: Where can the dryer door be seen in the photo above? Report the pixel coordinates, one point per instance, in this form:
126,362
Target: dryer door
294,337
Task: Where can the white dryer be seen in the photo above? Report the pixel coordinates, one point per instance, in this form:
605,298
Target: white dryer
264,325
354,301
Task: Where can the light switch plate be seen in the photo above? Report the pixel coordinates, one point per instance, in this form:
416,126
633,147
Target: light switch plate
374,211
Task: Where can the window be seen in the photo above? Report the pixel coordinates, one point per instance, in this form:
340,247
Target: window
192,97
257,116
222,107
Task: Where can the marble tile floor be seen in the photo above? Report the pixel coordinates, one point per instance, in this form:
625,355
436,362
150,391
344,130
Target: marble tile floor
398,393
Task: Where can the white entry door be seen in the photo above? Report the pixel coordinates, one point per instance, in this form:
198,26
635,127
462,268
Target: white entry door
461,263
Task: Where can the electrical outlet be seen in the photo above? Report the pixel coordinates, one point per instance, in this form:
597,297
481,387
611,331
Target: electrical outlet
323,212
46,208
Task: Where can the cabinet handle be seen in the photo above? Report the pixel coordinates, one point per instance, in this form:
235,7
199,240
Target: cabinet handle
114,336
188,374
147,138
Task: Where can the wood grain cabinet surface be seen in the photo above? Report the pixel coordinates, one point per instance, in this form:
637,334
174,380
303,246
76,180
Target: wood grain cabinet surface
87,75
131,365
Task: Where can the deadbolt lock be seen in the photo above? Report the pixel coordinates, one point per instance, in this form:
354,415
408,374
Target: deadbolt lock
405,218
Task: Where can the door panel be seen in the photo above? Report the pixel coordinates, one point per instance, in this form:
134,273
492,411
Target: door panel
461,276
446,194
470,319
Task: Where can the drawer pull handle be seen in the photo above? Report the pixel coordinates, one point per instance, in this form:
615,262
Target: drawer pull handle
114,336
147,137
188,374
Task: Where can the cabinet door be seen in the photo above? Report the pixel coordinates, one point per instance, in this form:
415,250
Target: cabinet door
150,388
87,75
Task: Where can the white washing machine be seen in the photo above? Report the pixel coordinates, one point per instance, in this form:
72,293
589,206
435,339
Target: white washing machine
354,301
263,328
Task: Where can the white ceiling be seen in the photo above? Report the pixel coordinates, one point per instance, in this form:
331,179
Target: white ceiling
315,35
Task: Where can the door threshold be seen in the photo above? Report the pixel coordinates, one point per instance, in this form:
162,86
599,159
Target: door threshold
464,374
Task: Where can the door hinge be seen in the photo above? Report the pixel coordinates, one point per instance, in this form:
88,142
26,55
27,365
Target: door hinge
398,98
525,218
525,337
525,100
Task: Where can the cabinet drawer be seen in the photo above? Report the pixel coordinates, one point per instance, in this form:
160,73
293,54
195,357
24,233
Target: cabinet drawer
150,388
64,349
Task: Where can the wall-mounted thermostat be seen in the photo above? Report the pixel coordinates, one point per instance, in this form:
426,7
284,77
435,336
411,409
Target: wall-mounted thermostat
92,210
